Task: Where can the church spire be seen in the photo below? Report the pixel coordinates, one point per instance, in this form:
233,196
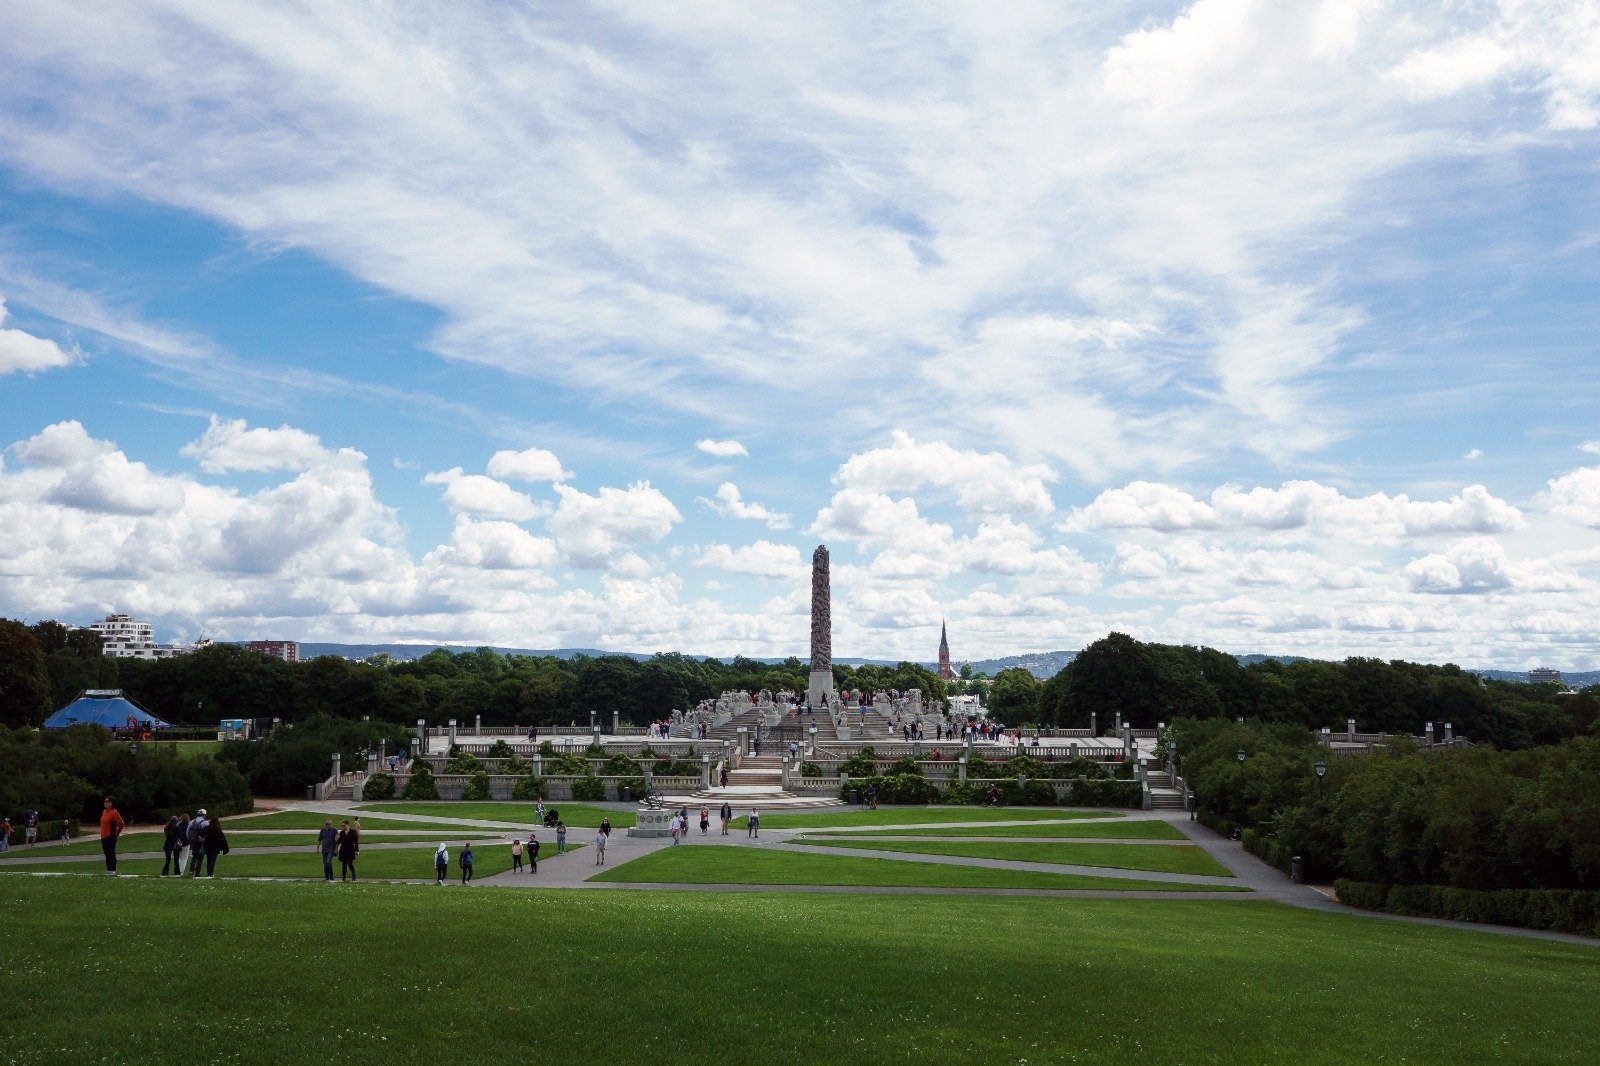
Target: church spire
944,653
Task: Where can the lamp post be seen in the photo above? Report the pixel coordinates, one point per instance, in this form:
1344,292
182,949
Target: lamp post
1321,769
1241,756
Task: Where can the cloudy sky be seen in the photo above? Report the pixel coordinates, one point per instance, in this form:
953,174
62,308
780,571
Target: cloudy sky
1269,326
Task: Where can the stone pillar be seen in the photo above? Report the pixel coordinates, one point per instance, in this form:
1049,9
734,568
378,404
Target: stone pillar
961,768
1119,724
416,748
594,735
616,723
1350,730
820,685
477,725
786,772
744,740
538,765
1427,732
372,762
705,771
1449,733
452,731
1094,723
336,766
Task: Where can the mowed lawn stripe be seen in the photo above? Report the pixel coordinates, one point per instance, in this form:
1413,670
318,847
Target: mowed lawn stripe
1158,858
402,863
1129,829
717,864
574,814
920,816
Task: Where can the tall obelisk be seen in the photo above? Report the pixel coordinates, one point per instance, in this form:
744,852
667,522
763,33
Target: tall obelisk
821,687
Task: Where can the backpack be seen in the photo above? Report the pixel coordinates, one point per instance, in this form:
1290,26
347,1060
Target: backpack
197,832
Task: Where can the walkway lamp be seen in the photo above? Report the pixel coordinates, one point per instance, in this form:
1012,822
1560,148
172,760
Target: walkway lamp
1241,756
1322,770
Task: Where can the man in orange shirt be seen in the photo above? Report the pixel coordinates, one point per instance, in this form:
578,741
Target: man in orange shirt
110,828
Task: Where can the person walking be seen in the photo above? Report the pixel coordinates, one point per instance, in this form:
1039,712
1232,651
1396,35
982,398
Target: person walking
328,845
727,817
516,856
349,847
677,828
705,819
5,834
466,864
196,840
111,825
441,863
753,825
533,853
30,827
169,847
561,837
180,850
600,839
605,825
538,812
216,844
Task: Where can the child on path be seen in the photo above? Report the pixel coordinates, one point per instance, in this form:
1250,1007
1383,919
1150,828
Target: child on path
466,864
516,856
441,863
705,819
561,837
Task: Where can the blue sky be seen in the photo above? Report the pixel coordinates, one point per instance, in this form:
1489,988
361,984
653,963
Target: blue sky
1265,326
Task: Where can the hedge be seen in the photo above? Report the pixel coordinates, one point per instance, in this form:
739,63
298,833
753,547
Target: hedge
1554,909
477,787
421,786
530,788
379,786
588,788
1105,792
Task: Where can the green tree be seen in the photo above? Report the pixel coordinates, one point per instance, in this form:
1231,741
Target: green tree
24,681
1014,695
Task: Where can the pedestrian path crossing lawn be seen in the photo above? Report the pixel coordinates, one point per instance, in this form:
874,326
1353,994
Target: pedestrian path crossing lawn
1127,829
394,973
400,863
920,816
718,864
130,843
313,820
1159,858
576,815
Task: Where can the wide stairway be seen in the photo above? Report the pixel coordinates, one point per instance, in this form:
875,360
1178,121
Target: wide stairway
1164,795
757,784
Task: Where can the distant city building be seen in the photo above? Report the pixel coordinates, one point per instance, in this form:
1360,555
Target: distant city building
944,655
1544,674
124,637
287,650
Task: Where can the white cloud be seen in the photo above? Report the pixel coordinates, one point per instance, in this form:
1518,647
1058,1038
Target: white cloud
476,494
86,474
599,530
761,559
986,483
229,445
498,545
1473,453
723,448
534,464
729,503
24,353
1590,446
1577,495
1478,564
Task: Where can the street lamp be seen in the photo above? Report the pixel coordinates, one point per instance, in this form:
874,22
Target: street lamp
1241,756
1321,768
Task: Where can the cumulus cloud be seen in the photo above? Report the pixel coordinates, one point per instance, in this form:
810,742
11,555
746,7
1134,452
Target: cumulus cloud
1295,505
729,503
761,559
601,530
1577,495
983,482
1477,564
231,445
1590,446
1473,453
534,464
86,474
22,352
495,545
723,448
476,494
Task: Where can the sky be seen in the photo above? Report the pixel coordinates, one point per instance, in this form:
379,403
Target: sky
1272,327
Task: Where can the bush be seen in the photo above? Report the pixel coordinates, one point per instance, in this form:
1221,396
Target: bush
619,766
588,788
863,763
905,765
462,762
1070,769
1034,793
595,751
894,788
531,788
477,787
421,786
379,786
566,766
810,769
501,750
1554,909
1105,792
547,749
514,766
1361,894
634,785
676,768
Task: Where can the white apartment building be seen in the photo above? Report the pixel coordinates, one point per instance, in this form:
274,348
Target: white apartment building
126,638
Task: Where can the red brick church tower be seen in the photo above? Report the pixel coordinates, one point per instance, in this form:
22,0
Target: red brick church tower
944,655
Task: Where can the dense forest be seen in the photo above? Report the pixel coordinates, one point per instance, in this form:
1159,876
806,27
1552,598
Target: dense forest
44,666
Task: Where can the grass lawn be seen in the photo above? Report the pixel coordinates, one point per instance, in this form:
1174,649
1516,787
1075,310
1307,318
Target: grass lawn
129,843
917,816
717,864
1162,858
313,820
1142,829
1110,981
380,863
196,749
576,815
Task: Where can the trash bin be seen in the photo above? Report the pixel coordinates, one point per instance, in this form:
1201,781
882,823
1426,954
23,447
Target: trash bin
311,792
855,795
1297,870
627,794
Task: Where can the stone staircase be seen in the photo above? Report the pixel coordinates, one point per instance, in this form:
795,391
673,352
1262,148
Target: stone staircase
1164,794
757,784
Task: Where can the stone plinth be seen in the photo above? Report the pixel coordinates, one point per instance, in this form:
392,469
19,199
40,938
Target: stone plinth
651,823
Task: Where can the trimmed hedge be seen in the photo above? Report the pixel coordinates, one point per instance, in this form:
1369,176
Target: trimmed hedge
379,786
589,788
530,788
1105,792
894,788
477,787
1554,909
421,786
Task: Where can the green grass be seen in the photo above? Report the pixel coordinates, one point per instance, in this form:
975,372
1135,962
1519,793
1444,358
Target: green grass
375,863
576,815
1142,829
130,843
1161,858
313,820
719,864
198,749
1037,980
917,816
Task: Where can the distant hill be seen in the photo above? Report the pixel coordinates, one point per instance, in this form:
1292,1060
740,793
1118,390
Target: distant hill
1040,664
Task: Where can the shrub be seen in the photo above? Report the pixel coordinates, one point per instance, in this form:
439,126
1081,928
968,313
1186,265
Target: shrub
477,787
421,786
1558,910
1034,793
531,788
547,749
588,788
595,751
863,763
963,792
567,766
501,750
462,762
1070,769
895,788
905,765
634,785
1361,894
810,769
379,786
515,766
676,768
1104,792
647,752
619,766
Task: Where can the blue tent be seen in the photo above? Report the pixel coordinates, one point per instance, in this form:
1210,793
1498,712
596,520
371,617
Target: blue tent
112,712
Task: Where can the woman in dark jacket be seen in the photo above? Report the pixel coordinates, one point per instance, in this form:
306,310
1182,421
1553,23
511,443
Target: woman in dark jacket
170,843
349,845
216,842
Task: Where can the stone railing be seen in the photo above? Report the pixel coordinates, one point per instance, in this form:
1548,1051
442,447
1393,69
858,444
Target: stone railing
501,786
